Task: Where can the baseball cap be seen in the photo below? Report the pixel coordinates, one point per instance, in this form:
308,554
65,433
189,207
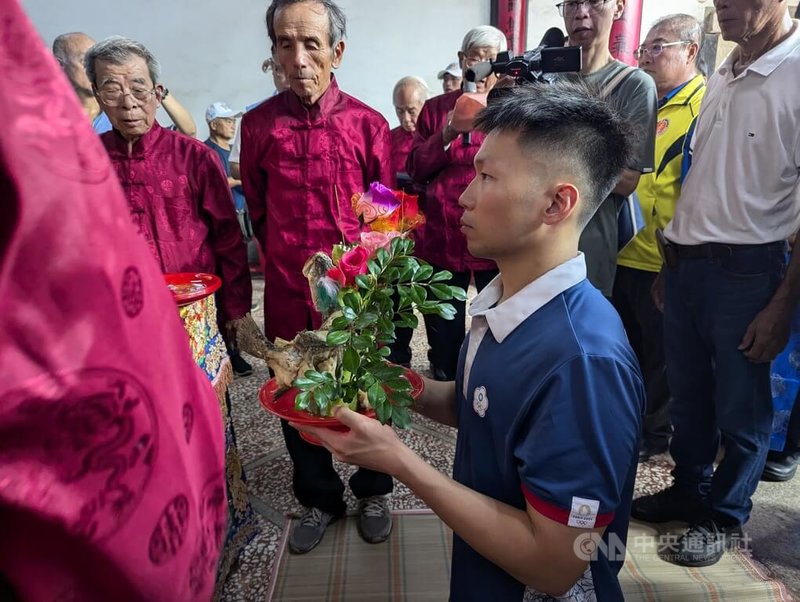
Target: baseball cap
453,69
220,109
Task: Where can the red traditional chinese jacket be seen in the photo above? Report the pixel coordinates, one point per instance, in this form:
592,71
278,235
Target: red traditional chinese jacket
300,166
401,147
112,465
180,202
445,174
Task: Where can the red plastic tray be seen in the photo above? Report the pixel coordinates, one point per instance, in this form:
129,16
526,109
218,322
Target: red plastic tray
188,287
283,406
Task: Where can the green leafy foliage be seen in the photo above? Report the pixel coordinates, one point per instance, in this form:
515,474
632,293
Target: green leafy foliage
364,328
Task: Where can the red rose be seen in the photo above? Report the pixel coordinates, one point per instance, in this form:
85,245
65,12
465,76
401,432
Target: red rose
353,263
336,275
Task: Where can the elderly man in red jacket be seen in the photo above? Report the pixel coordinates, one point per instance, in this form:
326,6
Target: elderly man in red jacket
180,202
304,153
441,160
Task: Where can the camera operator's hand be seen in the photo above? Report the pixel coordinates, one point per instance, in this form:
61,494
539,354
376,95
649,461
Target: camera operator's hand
449,133
467,108
505,81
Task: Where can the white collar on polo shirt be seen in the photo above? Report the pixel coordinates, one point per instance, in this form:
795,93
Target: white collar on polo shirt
505,317
770,60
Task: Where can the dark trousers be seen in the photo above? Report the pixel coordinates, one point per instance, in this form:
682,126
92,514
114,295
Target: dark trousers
401,348
644,325
445,336
716,392
314,479
315,482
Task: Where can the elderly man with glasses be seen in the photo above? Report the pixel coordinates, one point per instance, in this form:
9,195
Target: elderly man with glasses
180,201
588,24
669,55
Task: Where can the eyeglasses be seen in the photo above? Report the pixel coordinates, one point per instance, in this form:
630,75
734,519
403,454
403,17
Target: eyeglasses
571,6
113,97
471,61
655,49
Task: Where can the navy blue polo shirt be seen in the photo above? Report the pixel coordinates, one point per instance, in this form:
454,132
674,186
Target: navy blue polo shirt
550,402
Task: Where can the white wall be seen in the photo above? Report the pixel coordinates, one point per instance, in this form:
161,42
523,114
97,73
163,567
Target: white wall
211,51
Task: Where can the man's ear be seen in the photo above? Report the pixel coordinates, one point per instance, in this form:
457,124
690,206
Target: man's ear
563,203
619,9
338,53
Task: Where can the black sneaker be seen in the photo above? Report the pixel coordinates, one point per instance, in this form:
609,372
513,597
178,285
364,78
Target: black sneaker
781,466
240,366
309,530
702,545
374,519
668,505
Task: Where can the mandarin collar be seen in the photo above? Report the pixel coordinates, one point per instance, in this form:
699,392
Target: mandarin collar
320,109
142,147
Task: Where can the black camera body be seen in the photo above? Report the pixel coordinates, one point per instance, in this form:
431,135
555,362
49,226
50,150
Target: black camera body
531,65
550,57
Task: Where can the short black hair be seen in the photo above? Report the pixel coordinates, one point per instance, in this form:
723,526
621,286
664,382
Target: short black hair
337,23
571,123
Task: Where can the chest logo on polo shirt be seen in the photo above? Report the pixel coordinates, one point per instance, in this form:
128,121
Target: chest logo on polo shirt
662,126
480,401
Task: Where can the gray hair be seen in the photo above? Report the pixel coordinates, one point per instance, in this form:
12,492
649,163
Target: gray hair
118,50
412,81
686,27
337,23
484,36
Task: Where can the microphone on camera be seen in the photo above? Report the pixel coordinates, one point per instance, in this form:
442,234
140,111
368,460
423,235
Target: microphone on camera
466,137
553,38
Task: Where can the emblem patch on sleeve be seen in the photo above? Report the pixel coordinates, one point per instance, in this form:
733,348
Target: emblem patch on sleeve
584,513
480,401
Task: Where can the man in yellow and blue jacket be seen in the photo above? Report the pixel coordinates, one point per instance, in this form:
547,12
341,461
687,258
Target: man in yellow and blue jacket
669,54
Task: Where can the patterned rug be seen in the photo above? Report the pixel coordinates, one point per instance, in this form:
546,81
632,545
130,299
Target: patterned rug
414,565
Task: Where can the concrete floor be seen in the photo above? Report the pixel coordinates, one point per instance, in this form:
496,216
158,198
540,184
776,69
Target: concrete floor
774,526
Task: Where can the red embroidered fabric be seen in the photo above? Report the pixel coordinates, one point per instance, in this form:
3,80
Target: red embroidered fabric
111,441
445,175
180,202
300,167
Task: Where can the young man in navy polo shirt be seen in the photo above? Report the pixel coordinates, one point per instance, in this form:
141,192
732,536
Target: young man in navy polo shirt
548,398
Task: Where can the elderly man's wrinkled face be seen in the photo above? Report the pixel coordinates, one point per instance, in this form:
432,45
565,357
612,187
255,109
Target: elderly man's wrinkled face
223,127
128,96
739,20
302,33
408,103
477,55
450,83
665,57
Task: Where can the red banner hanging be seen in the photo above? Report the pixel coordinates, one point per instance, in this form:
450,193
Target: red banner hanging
625,33
511,17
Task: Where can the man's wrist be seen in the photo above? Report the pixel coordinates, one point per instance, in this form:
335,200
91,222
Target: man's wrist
448,134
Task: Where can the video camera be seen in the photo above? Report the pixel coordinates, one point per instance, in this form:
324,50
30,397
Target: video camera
551,56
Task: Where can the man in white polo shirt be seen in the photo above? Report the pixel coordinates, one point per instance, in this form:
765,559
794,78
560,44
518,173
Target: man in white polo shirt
728,295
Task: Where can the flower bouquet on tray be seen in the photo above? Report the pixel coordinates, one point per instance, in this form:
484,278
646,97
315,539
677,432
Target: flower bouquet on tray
364,291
